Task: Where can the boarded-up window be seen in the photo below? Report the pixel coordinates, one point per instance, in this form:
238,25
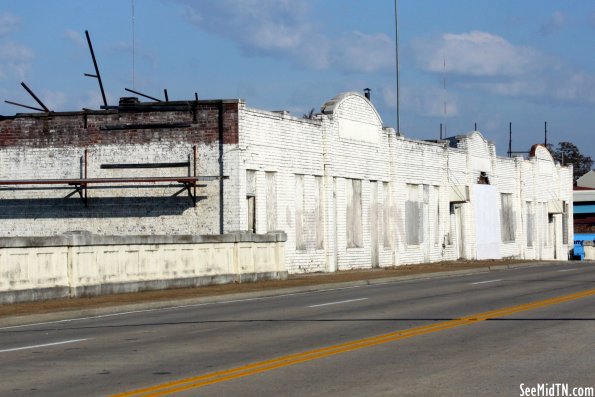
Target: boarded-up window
565,224
507,218
452,224
300,241
530,224
353,195
373,218
414,216
436,213
424,230
251,199
386,215
550,230
318,212
271,185
543,224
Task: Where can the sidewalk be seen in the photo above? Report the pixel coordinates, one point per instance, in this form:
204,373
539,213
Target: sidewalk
24,313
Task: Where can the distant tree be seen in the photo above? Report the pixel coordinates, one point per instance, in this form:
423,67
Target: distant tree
568,153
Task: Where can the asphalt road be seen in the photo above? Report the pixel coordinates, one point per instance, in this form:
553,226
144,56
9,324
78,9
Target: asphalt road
465,335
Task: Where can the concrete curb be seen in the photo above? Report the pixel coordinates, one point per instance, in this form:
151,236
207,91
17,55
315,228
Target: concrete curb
72,315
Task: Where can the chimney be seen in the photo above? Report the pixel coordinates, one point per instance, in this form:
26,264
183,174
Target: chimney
129,102
367,93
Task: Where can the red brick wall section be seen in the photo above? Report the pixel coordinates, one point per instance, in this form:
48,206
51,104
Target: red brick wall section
80,129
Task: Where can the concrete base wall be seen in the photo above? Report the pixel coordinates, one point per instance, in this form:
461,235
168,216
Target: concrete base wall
82,264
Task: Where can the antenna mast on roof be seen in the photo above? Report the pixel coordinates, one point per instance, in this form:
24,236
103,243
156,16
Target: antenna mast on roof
510,139
45,108
96,75
397,65
445,93
133,54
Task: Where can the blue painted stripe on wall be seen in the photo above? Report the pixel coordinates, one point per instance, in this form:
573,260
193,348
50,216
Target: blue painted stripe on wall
580,237
584,209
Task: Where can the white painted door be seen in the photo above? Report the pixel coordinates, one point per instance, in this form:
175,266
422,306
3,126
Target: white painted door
487,222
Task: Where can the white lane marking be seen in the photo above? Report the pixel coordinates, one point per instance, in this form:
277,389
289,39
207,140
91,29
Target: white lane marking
274,296
340,288
225,302
566,270
485,282
336,303
68,320
14,349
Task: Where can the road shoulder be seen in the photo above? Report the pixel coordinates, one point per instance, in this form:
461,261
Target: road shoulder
63,310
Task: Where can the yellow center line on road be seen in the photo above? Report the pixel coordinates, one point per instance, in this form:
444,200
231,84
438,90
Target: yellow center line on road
268,365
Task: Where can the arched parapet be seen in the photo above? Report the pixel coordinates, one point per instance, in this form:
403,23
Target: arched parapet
546,163
473,141
540,152
480,150
357,119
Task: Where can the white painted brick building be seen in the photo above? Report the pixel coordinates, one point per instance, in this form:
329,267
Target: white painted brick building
351,194
348,193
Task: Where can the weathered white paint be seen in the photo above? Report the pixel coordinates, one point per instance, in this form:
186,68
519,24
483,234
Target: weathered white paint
87,269
346,142
147,209
358,131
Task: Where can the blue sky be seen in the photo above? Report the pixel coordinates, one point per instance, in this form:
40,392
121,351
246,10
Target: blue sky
524,62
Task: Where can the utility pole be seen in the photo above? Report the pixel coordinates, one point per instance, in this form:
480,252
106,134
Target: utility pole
397,66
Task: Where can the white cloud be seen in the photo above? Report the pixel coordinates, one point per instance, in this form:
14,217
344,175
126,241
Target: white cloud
13,52
360,52
125,47
553,24
14,70
54,100
121,46
474,53
577,87
8,23
90,99
15,60
284,28
515,88
484,61
566,86
74,37
591,19
424,101
256,25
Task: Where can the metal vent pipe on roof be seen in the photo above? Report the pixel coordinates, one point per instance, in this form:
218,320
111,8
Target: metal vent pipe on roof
367,93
